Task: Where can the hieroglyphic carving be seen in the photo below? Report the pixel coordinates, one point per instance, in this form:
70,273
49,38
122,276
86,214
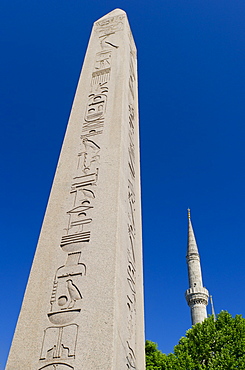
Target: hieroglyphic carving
66,295
82,188
131,259
131,213
89,157
68,241
131,305
79,215
132,77
66,299
131,147
106,30
109,25
96,107
131,360
101,76
102,67
131,294
103,60
84,181
131,268
57,366
59,342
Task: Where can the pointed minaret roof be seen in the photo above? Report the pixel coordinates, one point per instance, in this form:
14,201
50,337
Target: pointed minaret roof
212,307
191,244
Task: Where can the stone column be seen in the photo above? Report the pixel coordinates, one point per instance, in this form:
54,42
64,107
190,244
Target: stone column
83,306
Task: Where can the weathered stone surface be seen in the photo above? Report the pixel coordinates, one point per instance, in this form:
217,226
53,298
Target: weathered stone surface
83,306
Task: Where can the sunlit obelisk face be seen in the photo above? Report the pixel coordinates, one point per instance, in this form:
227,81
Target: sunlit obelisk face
83,306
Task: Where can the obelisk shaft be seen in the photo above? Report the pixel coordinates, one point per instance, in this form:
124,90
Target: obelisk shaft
83,306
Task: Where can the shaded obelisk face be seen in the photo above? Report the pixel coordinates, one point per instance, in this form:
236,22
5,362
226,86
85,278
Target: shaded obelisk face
83,306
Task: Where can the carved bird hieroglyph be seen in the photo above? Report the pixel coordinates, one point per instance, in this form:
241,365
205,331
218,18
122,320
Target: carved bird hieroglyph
74,293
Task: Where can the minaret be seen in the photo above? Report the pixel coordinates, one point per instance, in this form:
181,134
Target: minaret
196,295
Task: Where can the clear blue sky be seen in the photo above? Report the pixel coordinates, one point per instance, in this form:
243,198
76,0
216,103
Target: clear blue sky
191,57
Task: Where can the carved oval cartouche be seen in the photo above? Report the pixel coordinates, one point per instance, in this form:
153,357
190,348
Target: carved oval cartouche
63,317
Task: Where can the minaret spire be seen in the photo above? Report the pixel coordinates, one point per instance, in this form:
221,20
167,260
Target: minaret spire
212,307
196,295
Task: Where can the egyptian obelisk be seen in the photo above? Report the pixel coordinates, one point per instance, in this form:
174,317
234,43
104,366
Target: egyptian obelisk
83,305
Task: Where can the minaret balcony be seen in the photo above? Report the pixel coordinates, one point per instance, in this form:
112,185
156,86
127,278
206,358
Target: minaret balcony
197,295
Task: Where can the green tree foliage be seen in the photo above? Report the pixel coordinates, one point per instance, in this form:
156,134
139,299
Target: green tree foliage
211,345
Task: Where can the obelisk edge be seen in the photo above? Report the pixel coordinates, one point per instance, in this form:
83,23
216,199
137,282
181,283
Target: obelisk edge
114,12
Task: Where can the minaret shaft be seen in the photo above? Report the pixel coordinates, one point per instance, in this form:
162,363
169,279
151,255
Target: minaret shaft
196,295
194,272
